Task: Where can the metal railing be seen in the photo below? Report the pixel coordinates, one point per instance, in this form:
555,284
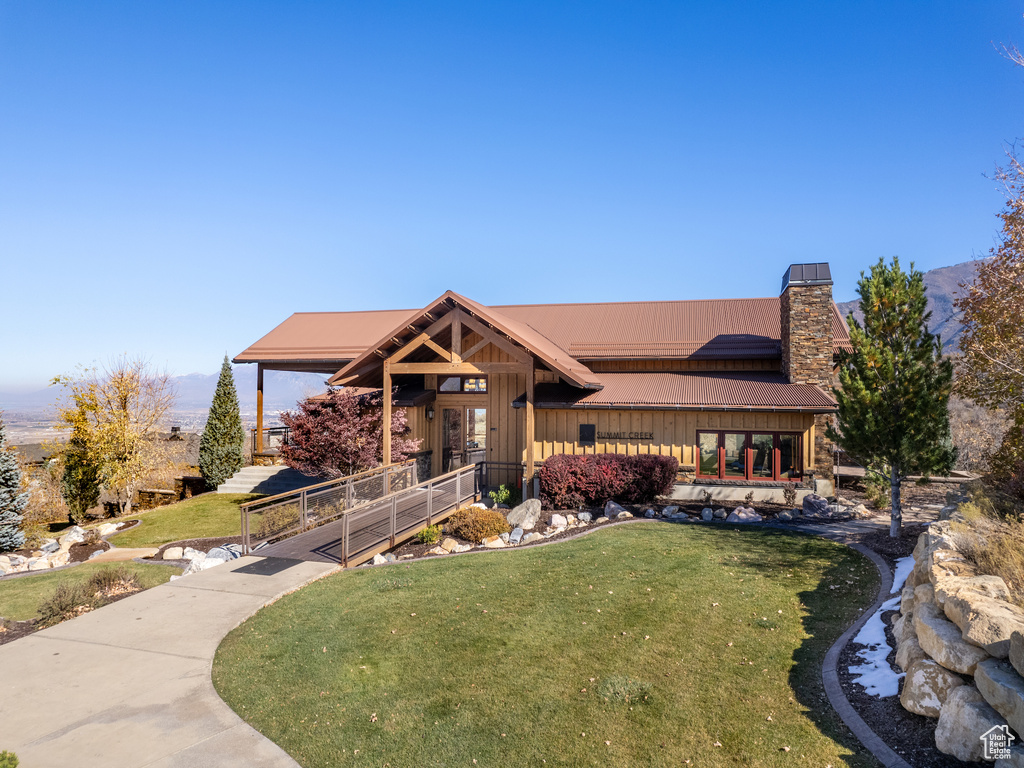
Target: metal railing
491,475
276,517
273,439
387,522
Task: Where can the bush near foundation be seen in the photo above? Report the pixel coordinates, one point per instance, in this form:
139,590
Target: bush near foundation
475,524
570,482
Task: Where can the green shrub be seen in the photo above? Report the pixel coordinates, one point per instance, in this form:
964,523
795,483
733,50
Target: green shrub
8,759
877,490
475,524
789,495
429,535
277,520
506,494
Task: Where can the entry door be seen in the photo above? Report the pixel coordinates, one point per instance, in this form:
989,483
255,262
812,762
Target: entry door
463,437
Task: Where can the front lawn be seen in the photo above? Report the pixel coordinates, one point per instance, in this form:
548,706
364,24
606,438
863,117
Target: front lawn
647,644
201,517
20,596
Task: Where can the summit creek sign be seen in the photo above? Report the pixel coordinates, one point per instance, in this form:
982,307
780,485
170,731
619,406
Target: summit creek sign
625,435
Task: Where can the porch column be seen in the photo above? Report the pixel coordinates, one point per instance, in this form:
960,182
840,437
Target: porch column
386,426
259,407
530,427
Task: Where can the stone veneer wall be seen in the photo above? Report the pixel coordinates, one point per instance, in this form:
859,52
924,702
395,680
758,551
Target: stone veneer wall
806,325
961,643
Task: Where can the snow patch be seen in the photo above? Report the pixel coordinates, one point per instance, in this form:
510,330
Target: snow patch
874,673
903,568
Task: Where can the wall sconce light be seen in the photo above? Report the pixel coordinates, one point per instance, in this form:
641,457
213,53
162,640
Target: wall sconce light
430,413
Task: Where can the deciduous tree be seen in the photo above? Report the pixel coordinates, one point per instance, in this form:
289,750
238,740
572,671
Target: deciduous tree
894,385
115,413
340,434
221,449
13,499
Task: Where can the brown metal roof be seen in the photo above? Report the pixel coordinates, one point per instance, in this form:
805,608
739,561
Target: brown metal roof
365,369
317,336
687,391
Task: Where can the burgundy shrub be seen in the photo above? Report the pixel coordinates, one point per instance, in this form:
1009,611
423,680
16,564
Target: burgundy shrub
570,482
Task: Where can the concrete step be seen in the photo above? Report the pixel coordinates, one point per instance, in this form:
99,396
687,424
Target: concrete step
267,480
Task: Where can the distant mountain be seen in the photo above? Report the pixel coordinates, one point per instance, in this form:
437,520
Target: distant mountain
941,286
281,391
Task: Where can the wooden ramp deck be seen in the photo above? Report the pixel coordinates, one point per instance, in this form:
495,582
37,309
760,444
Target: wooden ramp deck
379,525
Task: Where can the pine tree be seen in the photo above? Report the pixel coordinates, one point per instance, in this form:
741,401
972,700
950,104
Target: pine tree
221,449
12,500
894,387
80,481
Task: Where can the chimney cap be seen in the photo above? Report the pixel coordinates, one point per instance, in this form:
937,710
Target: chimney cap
807,274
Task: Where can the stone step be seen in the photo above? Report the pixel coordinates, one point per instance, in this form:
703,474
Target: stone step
266,480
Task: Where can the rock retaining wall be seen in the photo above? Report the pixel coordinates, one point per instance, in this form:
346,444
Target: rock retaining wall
961,643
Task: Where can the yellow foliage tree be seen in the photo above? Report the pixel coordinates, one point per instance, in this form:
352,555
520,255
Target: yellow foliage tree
114,413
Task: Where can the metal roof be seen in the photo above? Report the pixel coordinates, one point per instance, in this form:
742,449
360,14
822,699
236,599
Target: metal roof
700,329
807,274
687,391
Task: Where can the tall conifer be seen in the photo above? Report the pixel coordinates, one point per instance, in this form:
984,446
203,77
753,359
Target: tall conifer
12,500
223,442
894,387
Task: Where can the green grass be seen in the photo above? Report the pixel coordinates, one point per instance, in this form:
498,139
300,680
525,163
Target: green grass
207,516
668,642
20,597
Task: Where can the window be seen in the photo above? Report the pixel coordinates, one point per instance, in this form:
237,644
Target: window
464,384
748,455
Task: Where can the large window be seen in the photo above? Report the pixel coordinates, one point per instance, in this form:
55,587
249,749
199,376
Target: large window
748,455
464,384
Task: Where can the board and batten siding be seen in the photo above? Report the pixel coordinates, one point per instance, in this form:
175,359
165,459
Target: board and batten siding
675,432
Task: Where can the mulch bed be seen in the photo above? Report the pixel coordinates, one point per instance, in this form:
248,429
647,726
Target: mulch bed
81,552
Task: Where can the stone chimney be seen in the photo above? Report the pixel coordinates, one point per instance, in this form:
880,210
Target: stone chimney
806,324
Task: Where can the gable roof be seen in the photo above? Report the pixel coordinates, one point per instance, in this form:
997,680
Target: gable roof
362,370
708,329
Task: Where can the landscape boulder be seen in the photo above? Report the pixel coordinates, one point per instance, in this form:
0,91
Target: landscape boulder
907,599
989,586
623,515
926,688
516,536
585,517
941,639
720,514
74,536
650,513
611,509
669,511
743,515
985,622
495,543
531,537
815,505
558,521
173,553
448,544
909,651
965,716
785,516
1017,652
1015,760
379,560
50,547
707,513
526,515
1003,689
106,529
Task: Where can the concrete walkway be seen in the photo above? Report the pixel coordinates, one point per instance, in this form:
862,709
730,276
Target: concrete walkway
130,685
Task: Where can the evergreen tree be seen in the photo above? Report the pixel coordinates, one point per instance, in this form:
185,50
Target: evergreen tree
12,500
221,449
894,387
80,481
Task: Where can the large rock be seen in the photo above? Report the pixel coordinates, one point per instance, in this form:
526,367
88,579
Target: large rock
989,586
516,536
924,593
50,547
495,543
941,639
526,515
669,510
707,513
926,688
532,537
985,622
720,514
612,510
907,600
1015,760
584,517
74,536
909,651
1003,689
38,564
106,529
173,553
1017,652
449,544
192,554
558,521
623,515
60,559
815,505
964,717
743,515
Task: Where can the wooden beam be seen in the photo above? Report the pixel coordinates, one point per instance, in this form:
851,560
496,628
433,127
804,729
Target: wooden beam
530,428
259,407
476,348
451,369
387,413
498,340
457,316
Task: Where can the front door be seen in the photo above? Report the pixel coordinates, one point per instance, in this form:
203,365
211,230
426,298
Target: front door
463,437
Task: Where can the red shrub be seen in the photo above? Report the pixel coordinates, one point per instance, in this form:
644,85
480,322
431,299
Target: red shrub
569,482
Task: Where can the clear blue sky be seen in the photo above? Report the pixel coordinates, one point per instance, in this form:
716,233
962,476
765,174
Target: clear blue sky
176,178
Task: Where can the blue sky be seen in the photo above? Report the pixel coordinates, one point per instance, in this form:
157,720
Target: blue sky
176,178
